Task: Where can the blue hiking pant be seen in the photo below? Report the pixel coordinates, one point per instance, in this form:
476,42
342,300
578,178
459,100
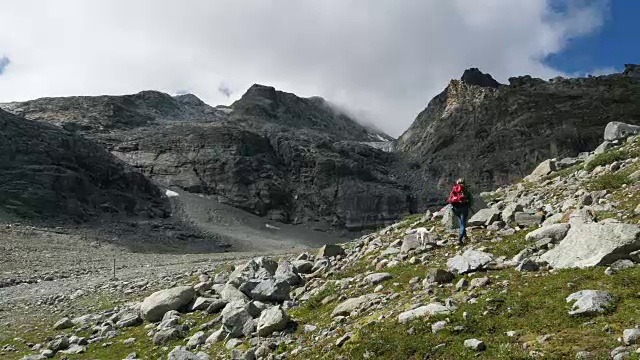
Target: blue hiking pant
462,212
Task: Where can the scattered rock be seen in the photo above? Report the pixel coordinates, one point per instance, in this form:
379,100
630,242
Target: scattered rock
271,320
475,344
471,260
590,302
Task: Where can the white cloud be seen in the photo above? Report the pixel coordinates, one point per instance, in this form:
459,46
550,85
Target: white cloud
385,59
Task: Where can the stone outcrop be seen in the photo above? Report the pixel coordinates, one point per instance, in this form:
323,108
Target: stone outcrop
48,172
492,134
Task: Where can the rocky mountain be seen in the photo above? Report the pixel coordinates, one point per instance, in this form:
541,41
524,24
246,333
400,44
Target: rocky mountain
493,134
48,172
265,104
271,153
549,271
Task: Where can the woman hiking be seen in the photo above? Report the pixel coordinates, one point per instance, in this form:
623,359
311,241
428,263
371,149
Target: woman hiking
461,200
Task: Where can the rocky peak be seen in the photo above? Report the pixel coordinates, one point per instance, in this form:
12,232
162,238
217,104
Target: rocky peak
632,70
264,105
474,76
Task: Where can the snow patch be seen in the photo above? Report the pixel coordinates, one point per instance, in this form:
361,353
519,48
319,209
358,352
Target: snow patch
170,193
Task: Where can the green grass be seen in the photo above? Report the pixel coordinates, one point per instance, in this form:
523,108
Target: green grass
606,158
533,305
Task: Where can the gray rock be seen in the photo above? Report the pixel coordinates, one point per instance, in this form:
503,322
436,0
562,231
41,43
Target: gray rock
201,303
590,302
302,266
584,355
545,168
331,250
286,271
469,261
527,219
216,336
439,276
392,250
462,284
236,320
180,353
256,268
63,323
165,335
475,344
129,319
622,264
606,145
553,219
272,320
509,212
410,242
556,232
343,339
33,357
582,216
158,303
449,219
484,217
631,336
528,265
594,244
422,311
276,290
230,293
196,340
377,278
350,305
437,326
58,344
216,305
74,349
617,130
479,282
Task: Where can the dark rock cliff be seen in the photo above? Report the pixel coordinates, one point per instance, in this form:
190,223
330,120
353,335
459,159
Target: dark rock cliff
493,134
48,172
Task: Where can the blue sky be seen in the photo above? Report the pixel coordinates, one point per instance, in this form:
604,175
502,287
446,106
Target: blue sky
608,48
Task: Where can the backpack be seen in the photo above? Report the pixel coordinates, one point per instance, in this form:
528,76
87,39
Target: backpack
457,195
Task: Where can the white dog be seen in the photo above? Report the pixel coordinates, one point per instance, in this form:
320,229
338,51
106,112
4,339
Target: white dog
422,233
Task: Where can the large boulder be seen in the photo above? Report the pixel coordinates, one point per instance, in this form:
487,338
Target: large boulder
545,168
271,290
330,250
229,293
271,320
449,219
617,130
509,211
157,304
236,320
257,268
287,271
556,232
594,244
484,217
469,261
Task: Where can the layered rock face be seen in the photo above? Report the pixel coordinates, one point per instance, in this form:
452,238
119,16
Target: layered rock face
46,171
271,153
493,134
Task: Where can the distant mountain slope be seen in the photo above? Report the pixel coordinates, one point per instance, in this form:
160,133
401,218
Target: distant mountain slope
106,113
49,172
492,133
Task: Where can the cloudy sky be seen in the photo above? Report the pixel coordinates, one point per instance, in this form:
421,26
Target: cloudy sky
382,59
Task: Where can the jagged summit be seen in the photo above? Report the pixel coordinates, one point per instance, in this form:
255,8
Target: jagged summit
264,104
473,76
